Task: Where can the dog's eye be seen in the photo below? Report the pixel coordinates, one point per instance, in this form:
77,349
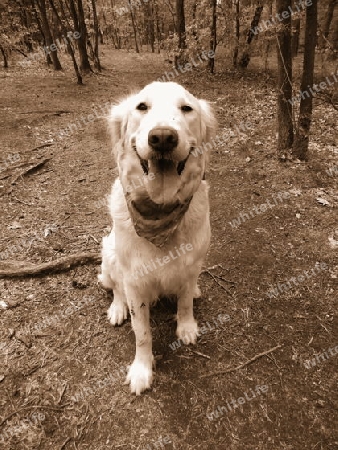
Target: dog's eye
142,107
186,108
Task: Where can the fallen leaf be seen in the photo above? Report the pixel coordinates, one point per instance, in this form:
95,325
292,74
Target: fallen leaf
15,225
322,201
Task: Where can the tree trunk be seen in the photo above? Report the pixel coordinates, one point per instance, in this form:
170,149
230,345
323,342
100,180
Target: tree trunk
284,82
295,37
47,34
237,33
113,30
268,40
4,54
80,27
172,12
82,41
134,26
327,39
151,27
158,30
213,34
180,24
97,63
245,58
329,16
334,39
69,45
301,143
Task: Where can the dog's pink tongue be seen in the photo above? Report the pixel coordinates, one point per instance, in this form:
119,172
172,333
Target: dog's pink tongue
163,181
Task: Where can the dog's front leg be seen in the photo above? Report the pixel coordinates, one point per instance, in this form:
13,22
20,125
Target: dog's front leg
187,329
140,372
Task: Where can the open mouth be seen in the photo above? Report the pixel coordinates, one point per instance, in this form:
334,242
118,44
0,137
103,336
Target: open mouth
163,162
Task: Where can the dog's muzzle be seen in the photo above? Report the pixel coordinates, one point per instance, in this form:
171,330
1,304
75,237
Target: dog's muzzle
163,139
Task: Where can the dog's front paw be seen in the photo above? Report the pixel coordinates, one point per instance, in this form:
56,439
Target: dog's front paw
187,332
117,313
139,377
105,281
197,292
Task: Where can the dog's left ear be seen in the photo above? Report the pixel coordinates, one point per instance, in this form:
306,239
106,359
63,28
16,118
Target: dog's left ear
208,121
117,120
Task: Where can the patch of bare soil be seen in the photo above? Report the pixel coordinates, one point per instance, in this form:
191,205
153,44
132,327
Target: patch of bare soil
272,269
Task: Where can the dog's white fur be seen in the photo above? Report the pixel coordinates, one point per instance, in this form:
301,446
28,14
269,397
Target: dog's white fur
124,251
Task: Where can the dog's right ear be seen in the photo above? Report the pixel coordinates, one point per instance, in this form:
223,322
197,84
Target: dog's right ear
118,119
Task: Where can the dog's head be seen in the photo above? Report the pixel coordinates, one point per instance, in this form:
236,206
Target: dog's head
155,134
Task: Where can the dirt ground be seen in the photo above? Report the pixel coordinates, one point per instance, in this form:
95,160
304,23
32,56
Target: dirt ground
62,363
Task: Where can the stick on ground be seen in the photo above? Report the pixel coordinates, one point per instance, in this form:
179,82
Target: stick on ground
19,269
249,361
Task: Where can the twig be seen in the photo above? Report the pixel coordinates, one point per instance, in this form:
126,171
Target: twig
22,202
17,269
249,361
224,279
53,408
62,392
216,281
65,443
206,270
200,354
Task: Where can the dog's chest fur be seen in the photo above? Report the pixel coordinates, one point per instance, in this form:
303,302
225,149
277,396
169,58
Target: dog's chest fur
135,252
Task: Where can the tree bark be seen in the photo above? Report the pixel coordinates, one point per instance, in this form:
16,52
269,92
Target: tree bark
97,63
301,143
237,33
47,34
158,30
245,58
213,34
180,24
335,39
295,37
284,82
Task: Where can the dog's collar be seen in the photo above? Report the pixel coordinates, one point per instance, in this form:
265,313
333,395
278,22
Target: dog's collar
154,222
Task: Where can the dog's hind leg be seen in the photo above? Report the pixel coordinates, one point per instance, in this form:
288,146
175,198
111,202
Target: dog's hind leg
111,279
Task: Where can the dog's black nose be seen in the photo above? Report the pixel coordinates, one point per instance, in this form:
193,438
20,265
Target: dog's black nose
163,139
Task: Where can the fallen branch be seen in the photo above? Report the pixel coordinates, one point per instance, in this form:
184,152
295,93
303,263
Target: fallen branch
249,361
17,269
48,144
47,111
31,169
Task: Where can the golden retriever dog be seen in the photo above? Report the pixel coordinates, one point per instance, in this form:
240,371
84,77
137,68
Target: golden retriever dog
160,210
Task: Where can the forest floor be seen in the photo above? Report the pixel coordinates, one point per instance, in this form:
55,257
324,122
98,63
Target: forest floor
63,365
